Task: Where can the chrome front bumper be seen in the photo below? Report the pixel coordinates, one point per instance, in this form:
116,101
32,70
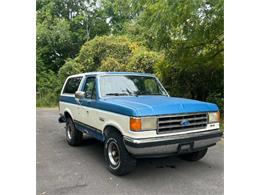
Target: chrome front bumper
167,145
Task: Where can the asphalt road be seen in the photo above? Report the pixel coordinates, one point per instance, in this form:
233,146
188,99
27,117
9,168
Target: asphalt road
62,169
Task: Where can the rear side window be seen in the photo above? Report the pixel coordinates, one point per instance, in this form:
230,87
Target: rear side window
72,85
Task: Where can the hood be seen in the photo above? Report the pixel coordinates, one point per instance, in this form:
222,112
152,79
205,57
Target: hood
155,105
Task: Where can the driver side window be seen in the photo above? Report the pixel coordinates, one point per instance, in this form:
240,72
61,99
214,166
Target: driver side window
90,88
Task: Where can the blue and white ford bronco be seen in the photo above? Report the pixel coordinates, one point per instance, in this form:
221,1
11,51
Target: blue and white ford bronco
135,117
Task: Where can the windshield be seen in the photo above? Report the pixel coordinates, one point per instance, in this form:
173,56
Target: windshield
130,85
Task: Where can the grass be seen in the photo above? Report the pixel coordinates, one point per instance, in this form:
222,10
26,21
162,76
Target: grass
46,103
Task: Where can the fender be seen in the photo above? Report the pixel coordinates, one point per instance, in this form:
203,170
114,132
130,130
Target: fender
113,124
68,111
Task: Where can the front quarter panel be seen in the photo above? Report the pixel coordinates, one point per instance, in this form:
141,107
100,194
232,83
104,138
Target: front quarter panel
105,119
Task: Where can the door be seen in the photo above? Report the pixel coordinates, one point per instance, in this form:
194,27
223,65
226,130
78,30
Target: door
86,110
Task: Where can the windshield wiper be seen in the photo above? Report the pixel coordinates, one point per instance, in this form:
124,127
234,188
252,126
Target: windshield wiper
137,93
117,94
140,93
156,94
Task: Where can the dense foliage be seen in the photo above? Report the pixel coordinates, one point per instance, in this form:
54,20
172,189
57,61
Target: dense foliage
112,53
182,42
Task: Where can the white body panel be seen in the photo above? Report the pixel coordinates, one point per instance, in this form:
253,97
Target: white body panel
121,122
100,119
72,109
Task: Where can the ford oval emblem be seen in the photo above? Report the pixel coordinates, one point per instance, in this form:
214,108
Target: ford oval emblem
185,123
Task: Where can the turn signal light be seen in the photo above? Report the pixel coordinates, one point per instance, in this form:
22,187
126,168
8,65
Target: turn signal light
135,124
218,116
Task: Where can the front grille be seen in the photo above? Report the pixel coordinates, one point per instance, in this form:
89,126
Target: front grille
183,122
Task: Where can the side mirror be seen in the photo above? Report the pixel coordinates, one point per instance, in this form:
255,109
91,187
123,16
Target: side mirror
80,94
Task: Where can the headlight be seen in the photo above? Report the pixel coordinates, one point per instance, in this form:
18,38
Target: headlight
213,117
149,123
143,123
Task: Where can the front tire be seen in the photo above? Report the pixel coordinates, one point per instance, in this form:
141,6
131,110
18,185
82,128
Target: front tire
194,156
118,160
73,136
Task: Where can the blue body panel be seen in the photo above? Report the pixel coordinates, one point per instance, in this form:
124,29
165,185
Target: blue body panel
89,130
155,105
68,99
146,105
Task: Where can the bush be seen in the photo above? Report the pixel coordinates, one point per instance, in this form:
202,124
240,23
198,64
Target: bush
69,68
196,81
48,88
106,53
111,64
99,49
144,61
202,81
116,53
217,99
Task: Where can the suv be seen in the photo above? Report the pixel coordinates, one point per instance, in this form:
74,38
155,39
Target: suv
135,117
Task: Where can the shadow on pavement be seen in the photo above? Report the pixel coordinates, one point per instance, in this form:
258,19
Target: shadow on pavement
145,166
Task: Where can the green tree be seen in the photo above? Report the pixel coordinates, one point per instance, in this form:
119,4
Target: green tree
69,68
62,27
191,34
182,42
113,53
119,12
48,87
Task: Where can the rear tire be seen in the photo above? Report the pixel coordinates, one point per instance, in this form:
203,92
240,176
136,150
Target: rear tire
73,136
194,156
118,160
